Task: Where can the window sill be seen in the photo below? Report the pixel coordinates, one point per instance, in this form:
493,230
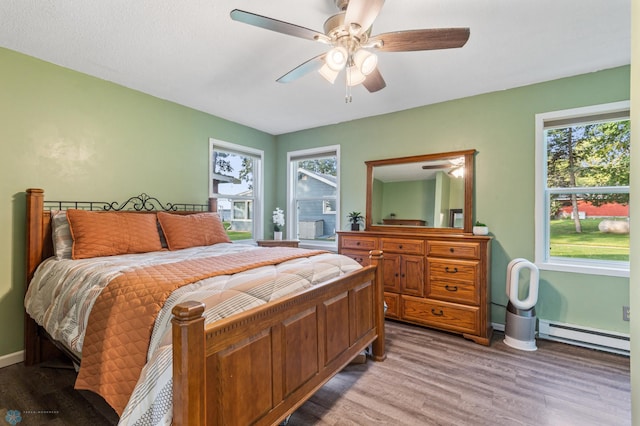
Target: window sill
585,268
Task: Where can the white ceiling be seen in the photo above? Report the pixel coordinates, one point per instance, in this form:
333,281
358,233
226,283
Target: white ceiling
191,52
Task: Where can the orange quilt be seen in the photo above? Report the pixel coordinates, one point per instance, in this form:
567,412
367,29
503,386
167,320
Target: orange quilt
122,318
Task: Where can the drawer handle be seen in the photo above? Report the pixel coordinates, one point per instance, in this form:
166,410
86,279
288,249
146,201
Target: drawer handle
438,314
451,288
358,243
451,249
400,246
450,271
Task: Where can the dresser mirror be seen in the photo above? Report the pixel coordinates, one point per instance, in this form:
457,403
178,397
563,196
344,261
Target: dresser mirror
431,192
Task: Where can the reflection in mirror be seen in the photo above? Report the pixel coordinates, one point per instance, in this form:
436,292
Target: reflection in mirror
422,191
456,218
419,194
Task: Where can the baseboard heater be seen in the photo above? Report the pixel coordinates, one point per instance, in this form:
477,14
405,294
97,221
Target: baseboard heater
609,341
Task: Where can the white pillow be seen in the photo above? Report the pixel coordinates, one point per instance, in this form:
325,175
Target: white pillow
62,240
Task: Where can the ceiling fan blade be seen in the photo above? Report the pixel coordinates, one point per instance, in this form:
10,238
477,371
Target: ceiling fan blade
436,166
362,13
426,39
311,65
374,81
275,25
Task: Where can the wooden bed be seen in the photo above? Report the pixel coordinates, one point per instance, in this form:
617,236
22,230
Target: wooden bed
293,345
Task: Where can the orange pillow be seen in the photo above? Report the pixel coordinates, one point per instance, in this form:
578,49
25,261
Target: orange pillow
200,229
111,233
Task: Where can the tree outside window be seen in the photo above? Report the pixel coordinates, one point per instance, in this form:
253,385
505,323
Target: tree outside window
585,187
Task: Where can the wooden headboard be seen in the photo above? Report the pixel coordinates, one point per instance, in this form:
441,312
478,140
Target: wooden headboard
39,243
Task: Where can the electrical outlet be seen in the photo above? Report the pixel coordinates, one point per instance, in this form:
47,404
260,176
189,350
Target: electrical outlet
625,313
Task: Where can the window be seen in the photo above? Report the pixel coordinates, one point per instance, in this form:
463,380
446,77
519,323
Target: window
582,190
313,195
235,184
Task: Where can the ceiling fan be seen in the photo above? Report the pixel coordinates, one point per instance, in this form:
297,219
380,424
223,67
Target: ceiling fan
455,166
349,35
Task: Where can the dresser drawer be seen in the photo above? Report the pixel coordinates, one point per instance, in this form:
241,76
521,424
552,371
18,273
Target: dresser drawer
460,292
397,245
453,270
468,250
443,315
359,243
393,305
362,257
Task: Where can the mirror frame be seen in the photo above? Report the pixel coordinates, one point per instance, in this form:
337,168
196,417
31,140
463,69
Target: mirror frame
469,176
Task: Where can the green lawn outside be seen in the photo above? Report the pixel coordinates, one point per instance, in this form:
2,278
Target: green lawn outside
236,235
590,244
239,235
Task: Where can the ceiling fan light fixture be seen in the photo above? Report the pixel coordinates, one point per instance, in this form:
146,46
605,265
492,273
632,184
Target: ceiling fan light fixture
329,74
365,61
348,32
336,58
354,76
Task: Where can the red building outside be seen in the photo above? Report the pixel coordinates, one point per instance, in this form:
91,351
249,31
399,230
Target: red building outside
587,210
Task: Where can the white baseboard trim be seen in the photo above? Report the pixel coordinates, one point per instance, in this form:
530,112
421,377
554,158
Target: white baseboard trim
10,359
604,340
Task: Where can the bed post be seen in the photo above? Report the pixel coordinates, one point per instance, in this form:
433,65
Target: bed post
188,364
35,206
213,204
378,350
34,248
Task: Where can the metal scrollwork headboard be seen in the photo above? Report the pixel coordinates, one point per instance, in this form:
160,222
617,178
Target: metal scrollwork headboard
142,202
139,203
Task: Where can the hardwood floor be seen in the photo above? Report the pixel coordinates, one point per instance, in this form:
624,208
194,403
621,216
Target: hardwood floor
433,378
44,395
429,378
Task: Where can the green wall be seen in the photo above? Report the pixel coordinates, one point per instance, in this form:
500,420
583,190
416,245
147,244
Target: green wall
80,137
500,126
407,200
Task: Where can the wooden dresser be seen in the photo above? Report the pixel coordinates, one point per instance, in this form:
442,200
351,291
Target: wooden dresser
436,280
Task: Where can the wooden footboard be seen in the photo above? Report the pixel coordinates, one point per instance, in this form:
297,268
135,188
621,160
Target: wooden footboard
259,366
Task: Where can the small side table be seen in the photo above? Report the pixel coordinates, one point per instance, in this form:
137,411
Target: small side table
278,243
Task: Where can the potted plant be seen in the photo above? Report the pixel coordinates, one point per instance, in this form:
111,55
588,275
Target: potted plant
480,229
355,218
278,223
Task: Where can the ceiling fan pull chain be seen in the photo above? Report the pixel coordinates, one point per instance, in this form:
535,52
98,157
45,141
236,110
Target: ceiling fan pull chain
347,88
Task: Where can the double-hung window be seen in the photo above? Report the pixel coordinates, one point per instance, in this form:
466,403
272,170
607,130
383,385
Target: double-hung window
313,193
235,185
582,190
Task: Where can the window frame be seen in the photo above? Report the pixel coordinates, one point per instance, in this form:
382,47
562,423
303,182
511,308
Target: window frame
542,208
291,211
258,180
